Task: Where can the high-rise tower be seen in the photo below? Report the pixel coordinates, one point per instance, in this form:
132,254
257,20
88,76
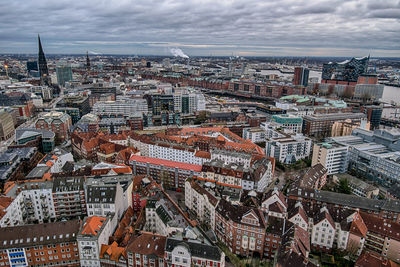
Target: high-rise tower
44,72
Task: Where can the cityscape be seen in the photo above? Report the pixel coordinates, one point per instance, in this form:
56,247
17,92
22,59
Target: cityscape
169,153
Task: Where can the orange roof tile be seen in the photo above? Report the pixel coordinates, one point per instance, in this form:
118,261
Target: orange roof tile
203,154
93,225
148,244
47,176
125,169
358,226
166,163
5,202
369,259
112,252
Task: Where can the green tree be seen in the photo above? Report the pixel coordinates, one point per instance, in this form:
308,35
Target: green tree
344,187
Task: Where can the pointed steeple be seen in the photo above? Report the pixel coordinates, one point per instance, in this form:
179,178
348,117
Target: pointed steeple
44,72
87,62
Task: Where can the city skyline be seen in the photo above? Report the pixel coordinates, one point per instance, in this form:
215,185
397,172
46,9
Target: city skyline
204,28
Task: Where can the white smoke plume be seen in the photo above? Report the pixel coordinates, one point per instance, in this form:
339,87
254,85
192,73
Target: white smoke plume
94,53
177,52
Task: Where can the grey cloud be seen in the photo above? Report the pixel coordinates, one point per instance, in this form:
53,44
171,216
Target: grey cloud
144,26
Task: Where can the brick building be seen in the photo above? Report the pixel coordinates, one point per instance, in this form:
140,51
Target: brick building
171,174
57,122
49,244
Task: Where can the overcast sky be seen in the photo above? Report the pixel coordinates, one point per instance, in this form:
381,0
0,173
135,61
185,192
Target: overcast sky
201,27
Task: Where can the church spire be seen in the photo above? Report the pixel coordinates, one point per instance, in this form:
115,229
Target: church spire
87,62
44,72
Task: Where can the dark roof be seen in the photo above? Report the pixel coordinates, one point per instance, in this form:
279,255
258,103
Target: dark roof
163,214
323,215
101,194
147,244
196,249
68,166
67,184
348,200
6,100
22,133
291,258
381,226
236,212
38,234
38,172
369,258
311,176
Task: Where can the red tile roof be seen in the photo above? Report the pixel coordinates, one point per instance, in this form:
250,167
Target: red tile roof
4,203
358,226
93,225
112,252
166,163
148,244
203,154
372,259
381,226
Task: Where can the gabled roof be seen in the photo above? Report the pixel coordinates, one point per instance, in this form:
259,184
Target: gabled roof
358,226
4,203
39,234
93,225
324,214
112,252
369,259
381,226
118,168
195,248
236,212
298,210
147,244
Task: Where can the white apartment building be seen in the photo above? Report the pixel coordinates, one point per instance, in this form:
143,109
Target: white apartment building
333,156
323,230
200,202
255,134
270,130
129,107
186,253
290,123
94,232
299,217
28,203
229,157
166,152
174,154
123,185
163,218
104,199
189,102
288,149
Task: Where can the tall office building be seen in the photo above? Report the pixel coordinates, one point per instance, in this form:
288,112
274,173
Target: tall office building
301,76
44,72
374,115
64,72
